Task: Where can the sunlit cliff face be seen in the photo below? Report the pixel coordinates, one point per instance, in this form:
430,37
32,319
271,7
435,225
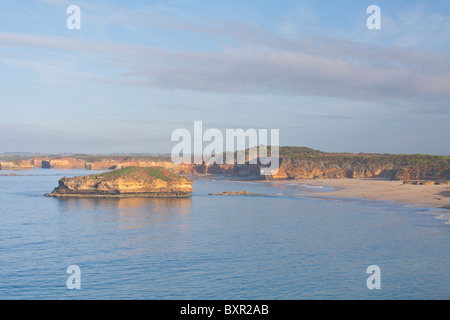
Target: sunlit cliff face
129,182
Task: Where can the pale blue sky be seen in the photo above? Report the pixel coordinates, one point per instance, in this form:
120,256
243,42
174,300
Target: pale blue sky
137,70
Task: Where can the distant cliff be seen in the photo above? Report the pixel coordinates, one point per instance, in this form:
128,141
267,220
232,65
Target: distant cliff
63,163
15,164
126,183
295,163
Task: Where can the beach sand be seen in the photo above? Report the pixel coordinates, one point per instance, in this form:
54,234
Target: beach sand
437,196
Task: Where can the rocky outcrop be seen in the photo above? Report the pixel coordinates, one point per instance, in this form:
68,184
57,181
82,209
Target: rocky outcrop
427,182
280,174
131,182
235,193
417,172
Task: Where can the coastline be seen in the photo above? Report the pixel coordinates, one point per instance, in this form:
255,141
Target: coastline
377,189
434,196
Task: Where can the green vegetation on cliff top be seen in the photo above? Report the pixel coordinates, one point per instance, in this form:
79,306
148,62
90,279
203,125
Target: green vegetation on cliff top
147,173
297,155
94,158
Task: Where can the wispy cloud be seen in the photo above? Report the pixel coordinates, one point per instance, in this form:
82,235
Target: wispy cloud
256,62
319,67
149,58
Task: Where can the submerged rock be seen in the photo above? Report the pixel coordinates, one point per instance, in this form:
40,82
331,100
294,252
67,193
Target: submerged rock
235,193
131,182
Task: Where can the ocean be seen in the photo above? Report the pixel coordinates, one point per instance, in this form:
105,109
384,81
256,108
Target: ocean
284,245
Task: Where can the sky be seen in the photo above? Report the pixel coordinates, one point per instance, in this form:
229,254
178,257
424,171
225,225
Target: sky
138,70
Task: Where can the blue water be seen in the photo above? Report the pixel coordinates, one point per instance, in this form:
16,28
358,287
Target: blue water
281,246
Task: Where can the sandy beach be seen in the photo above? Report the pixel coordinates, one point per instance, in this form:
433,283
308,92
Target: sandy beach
384,190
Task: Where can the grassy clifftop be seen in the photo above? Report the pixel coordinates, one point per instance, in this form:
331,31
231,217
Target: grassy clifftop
293,154
146,174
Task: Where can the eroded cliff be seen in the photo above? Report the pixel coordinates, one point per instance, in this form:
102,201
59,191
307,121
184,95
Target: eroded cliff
15,165
295,163
152,182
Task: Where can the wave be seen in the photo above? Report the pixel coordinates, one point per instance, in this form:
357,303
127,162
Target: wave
318,188
441,215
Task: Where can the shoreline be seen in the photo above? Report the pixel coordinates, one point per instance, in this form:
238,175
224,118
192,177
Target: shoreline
434,196
376,189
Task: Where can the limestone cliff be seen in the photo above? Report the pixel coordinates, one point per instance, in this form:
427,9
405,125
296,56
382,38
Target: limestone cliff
63,163
151,182
296,163
322,165
15,165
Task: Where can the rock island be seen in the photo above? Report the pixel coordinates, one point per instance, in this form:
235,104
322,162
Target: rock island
130,182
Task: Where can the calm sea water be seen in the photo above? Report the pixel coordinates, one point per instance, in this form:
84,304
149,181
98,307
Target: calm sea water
280,246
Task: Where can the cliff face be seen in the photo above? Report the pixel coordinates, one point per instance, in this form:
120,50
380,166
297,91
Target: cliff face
63,163
99,163
241,170
15,165
129,182
331,170
313,165
296,163
326,170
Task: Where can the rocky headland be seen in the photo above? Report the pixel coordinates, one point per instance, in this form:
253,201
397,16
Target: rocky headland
415,178
130,182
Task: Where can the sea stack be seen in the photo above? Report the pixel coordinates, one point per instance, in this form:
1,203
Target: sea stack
130,182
